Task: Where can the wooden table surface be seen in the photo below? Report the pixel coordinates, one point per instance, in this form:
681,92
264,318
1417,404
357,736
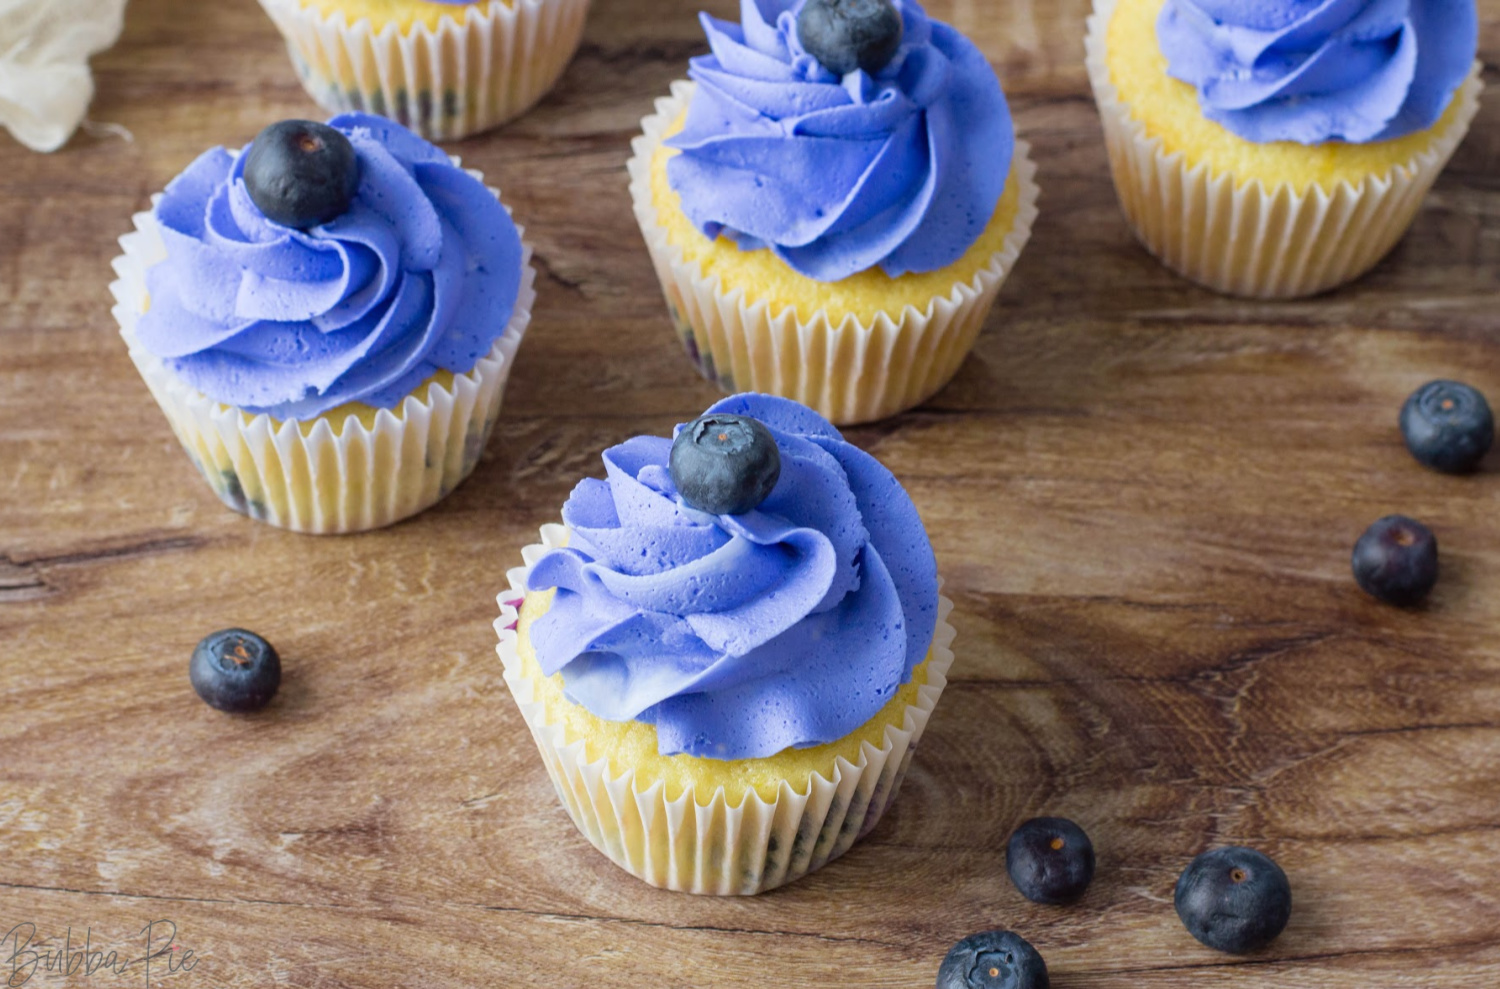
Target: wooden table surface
1142,497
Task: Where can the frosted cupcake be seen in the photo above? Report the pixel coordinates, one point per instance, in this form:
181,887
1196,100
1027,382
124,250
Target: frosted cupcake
328,319
727,696
1279,148
830,221
444,68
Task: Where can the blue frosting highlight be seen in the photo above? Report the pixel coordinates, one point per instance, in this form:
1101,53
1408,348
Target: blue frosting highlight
422,273
740,636
838,175
1313,71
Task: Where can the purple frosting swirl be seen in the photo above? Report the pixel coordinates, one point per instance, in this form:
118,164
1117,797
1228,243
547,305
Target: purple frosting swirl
422,273
1312,71
902,170
739,636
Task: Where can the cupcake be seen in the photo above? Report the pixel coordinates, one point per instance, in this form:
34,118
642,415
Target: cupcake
1279,148
729,650
833,203
444,68
328,319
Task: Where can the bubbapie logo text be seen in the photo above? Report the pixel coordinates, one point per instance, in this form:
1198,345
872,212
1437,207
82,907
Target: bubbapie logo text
150,953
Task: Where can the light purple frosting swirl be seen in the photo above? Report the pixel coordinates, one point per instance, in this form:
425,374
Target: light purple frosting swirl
739,636
1313,71
838,175
421,273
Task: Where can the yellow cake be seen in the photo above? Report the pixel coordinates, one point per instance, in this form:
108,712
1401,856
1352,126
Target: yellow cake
444,70
855,350
632,744
368,461
353,467
1169,109
402,13
279,482
886,202
766,278
1268,220
703,825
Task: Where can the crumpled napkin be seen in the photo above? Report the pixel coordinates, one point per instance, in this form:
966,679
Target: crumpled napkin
45,83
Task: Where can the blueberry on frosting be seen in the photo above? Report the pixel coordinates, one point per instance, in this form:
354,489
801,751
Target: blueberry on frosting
420,274
837,174
739,636
846,35
300,173
724,464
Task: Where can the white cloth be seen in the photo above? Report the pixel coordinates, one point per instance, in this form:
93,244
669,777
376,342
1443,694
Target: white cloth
45,84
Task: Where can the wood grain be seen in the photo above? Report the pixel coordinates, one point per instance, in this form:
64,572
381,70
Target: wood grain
1142,497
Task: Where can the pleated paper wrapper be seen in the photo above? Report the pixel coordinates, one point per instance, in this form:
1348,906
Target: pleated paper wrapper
699,843
480,67
849,373
322,476
1248,240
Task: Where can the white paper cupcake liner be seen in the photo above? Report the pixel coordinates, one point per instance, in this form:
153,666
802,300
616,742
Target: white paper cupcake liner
850,372
700,843
322,476
479,68
1248,240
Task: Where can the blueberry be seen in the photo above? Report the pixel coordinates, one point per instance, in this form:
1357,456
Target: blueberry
845,35
1050,859
725,464
1396,560
235,670
300,173
1448,426
1234,899
993,960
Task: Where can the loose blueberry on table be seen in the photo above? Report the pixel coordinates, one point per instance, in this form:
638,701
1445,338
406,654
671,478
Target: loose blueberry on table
993,960
845,35
1448,426
1050,859
236,671
300,173
1234,899
724,464
1396,560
